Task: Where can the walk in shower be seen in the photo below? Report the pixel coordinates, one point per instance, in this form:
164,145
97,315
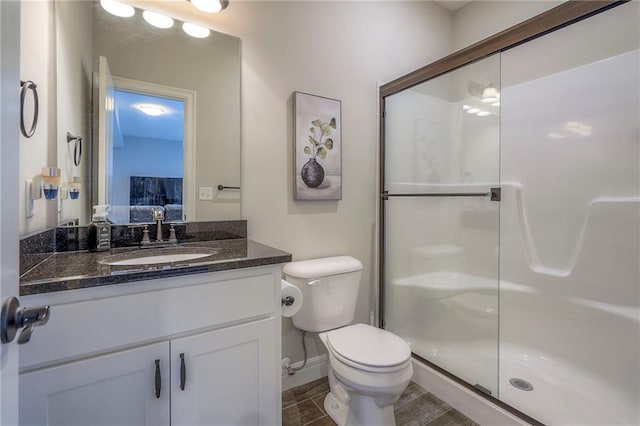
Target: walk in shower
511,220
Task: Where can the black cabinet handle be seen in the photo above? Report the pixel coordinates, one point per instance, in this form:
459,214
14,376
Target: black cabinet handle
183,372
158,379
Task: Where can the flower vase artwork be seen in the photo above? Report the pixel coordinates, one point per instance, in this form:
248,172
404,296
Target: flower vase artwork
312,172
318,163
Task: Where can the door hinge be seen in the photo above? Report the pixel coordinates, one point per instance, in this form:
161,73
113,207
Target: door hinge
384,195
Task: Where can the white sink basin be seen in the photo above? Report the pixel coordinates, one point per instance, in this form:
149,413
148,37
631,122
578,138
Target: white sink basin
156,256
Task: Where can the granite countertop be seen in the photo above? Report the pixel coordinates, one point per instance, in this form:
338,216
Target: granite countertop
82,269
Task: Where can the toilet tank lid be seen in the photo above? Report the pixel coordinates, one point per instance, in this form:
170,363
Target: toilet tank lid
316,268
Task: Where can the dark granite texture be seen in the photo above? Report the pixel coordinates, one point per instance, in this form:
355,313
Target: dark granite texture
81,269
36,248
130,235
73,238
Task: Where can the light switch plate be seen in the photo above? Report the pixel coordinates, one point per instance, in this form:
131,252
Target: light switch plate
206,193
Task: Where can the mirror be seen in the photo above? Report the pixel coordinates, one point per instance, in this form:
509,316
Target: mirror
174,156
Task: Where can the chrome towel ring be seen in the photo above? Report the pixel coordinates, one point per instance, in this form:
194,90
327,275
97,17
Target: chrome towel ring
25,87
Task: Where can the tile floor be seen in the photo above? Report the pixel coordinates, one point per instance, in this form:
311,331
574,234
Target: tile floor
303,406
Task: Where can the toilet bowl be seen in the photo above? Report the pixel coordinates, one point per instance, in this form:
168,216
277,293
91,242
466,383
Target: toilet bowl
369,368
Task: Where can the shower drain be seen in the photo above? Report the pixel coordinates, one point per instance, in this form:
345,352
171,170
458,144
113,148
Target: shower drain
521,384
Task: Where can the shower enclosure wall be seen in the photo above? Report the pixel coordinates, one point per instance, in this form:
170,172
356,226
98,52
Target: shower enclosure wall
511,221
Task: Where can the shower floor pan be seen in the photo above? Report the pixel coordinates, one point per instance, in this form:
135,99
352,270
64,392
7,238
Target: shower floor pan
562,394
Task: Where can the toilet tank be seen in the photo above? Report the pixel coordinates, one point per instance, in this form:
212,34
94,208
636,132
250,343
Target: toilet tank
330,289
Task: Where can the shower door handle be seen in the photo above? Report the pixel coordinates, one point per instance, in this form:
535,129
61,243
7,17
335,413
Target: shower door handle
494,193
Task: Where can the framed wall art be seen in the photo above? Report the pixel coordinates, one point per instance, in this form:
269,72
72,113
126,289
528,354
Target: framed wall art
318,147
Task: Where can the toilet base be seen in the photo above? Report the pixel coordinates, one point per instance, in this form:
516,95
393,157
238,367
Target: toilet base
362,410
336,410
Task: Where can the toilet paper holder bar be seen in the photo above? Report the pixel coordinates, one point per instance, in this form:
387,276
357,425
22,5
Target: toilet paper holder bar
288,301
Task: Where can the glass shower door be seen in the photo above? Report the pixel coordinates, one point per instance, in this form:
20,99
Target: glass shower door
441,161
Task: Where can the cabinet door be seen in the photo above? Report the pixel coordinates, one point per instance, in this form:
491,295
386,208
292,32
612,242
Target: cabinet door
230,376
114,389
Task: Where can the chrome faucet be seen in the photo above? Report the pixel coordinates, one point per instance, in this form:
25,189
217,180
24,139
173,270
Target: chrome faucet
158,216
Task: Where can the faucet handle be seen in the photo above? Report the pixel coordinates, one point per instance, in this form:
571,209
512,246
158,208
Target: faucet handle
172,235
145,236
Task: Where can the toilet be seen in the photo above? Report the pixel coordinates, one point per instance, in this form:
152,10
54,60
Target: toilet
368,367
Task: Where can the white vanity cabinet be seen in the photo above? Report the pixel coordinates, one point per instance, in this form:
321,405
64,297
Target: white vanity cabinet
217,335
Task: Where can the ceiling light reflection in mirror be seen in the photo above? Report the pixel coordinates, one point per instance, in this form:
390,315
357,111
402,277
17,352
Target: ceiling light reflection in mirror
118,9
210,6
157,20
161,21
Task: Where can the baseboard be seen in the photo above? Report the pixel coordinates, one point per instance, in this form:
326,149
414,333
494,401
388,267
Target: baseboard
315,369
462,399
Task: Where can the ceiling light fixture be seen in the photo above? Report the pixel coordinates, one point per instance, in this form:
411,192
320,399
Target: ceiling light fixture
210,6
157,20
482,113
195,30
116,8
151,109
490,95
473,110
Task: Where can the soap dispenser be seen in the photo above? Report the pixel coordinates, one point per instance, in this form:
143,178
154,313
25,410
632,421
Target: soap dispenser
99,230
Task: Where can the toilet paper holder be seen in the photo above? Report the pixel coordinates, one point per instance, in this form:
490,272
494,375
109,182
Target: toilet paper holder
287,301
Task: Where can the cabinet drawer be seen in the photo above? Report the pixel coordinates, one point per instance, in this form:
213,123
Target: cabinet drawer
94,326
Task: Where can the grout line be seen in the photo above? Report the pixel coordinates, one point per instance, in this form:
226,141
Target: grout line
316,404
315,420
450,408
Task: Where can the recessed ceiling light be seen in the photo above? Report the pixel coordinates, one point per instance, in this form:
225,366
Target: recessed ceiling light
482,113
465,107
473,110
157,20
151,109
116,8
195,30
496,104
210,6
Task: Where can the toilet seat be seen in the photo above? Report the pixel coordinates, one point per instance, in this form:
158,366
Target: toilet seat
368,348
